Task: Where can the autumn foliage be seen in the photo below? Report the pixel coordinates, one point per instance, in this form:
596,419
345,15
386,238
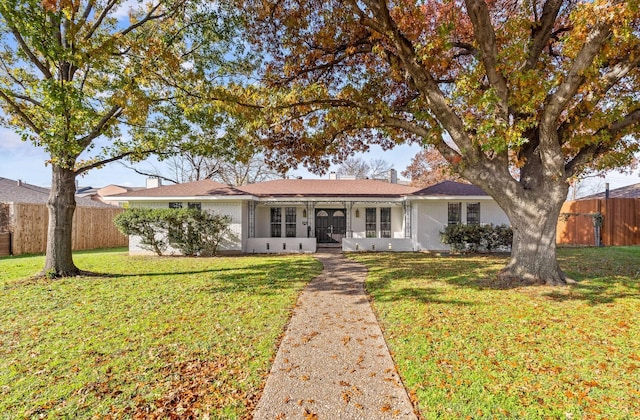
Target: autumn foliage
428,167
547,87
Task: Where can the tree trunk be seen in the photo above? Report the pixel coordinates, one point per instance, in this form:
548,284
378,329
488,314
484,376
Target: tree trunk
61,205
533,218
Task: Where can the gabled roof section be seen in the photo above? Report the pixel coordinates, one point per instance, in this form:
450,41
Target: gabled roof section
451,189
204,188
327,188
630,191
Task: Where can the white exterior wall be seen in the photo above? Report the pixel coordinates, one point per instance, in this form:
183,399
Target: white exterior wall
358,224
430,217
263,221
237,211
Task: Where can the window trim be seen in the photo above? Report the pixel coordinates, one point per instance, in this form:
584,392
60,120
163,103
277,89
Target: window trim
385,225
290,216
276,222
476,222
371,213
457,220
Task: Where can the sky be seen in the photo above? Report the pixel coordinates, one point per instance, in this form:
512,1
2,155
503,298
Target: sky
21,160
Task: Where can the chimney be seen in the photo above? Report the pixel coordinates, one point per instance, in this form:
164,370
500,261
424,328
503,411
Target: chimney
393,176
154,182
333,175
19,183
606,190
77,185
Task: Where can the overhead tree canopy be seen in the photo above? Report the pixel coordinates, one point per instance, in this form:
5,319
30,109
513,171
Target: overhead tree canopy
94,81
550,87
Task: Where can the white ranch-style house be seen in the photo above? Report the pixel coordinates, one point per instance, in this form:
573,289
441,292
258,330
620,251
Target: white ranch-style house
301,215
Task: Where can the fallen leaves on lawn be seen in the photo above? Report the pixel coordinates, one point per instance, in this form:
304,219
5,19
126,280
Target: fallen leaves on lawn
197,387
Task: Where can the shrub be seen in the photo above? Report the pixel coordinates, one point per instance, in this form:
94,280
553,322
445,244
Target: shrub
475,237
148,224
192,231
195,232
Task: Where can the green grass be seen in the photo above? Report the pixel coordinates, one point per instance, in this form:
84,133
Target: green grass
467,349
151,338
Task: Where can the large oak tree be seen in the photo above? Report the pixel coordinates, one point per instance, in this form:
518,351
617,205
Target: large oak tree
550,87
94,81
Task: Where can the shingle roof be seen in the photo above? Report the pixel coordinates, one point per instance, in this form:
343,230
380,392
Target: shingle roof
21,192
205,187
451,188
630,191
327,188
288,188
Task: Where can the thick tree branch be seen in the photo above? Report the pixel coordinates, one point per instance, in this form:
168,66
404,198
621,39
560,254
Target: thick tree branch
32,57
103,14
607,82
550,150
557,101
542,32
112,114
485,36
18,110
421,79
92,165
590,152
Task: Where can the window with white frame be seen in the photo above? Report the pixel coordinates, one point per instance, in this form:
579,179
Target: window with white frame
175,205
290,222
385,222
473,213
454,213
195,206
370,222
276,222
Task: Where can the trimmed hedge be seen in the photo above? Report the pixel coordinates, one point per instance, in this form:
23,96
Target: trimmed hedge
476,237
192,231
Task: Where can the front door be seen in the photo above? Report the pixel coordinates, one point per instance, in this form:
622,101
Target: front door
330,226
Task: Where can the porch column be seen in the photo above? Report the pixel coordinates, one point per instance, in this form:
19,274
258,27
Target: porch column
349,232
252,219
407,219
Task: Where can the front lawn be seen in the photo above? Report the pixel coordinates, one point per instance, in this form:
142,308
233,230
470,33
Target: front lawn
467,349
150,338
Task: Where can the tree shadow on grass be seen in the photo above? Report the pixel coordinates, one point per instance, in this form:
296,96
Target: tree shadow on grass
598,291
479,272
425,295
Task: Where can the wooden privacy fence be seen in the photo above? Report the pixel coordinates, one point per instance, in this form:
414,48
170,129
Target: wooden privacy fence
93,227
620,222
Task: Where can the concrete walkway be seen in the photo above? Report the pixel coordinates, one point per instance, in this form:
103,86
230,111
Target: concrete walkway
333,362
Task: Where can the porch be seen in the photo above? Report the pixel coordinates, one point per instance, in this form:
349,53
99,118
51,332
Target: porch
306,225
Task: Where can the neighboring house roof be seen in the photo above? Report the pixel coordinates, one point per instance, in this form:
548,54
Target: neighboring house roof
115,189
327,188
451,188
12,191
202,188
630,191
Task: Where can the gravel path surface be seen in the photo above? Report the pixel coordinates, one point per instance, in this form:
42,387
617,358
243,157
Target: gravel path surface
333,362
